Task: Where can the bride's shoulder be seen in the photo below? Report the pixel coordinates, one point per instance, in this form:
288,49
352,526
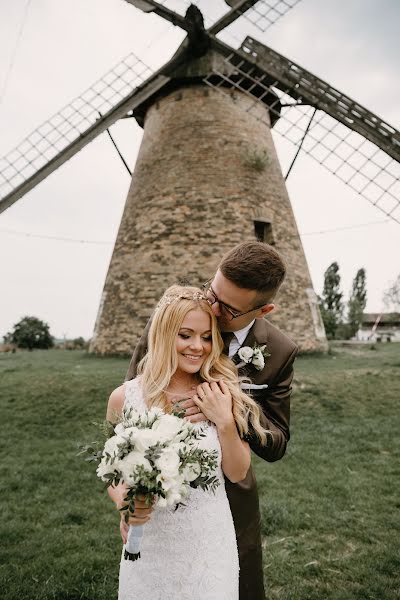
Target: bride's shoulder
116,402
118,397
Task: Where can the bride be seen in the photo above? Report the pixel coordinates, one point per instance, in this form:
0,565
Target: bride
189,553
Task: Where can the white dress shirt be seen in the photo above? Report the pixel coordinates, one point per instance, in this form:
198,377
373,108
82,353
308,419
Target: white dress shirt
238,338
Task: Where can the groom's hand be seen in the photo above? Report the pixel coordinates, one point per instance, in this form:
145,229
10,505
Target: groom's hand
192,412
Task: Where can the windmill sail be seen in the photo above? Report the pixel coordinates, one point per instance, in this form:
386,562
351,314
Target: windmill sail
74,126
346,138
110,98
260,13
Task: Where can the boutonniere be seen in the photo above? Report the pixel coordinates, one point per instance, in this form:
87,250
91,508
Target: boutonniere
253,356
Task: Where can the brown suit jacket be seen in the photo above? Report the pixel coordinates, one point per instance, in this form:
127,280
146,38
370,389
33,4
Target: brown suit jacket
275,404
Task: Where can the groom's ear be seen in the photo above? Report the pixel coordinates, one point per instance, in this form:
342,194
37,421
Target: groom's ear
264,310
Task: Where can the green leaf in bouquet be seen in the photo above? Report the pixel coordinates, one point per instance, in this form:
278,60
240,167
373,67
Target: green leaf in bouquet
106,428
178,505
206,483
154,452
92,450
95,457
112,479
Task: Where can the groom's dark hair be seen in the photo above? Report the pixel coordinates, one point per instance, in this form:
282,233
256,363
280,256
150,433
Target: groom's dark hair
254,266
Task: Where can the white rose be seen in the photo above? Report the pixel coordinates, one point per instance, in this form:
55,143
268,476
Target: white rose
128,464
130,432
168,463
178,446
258,359
144,439
173,498
119,429
104,469
167,427
191,472
170,483
246,353
111,445
162,502
187,428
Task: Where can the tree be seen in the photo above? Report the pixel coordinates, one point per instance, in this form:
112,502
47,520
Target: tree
391,297
79,343
30,333
357,302
330,303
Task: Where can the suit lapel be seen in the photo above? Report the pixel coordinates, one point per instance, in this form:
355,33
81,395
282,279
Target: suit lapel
258,334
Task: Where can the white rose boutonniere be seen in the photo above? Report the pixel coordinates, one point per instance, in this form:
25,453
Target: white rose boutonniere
253,356
246,353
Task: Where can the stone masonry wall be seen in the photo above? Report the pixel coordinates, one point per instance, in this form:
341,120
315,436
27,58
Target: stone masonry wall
205,171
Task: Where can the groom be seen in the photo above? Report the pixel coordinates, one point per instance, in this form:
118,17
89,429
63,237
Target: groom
242,293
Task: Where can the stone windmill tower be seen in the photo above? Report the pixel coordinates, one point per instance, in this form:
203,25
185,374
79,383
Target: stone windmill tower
207,175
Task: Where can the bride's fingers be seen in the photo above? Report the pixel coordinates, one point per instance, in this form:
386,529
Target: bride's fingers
203,389
197,401
123,529
215,387
224,388
134,520
199,418
195,410
184,404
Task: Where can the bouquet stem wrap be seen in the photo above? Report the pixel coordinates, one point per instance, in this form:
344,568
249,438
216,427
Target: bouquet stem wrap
132,548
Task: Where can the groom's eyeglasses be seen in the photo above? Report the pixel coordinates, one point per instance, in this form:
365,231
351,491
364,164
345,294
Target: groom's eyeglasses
231,313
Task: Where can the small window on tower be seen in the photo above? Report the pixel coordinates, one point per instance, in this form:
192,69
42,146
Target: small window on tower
263,231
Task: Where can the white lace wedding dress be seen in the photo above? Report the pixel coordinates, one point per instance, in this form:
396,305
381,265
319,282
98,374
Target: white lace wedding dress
190,554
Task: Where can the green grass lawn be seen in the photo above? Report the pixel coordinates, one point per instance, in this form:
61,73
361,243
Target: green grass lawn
330,507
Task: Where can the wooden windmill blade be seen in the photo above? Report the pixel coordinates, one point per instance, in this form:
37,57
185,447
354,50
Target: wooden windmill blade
346,138
64,134
260,14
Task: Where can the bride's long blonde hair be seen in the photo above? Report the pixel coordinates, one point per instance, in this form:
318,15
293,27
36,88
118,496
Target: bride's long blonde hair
161,361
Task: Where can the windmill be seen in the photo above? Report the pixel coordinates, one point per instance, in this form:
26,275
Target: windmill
207,175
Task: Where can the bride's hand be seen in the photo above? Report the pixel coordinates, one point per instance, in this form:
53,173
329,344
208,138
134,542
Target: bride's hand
215,402
192,411
140,516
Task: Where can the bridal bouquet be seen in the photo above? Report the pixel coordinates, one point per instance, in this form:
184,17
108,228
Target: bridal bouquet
154,454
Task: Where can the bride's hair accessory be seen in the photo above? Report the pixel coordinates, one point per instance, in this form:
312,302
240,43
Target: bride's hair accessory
169,298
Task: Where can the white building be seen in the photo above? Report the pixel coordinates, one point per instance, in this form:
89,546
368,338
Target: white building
384,327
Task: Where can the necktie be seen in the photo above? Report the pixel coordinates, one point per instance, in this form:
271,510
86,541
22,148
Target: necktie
227,337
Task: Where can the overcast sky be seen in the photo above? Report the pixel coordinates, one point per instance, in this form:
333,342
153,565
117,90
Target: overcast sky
61,48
